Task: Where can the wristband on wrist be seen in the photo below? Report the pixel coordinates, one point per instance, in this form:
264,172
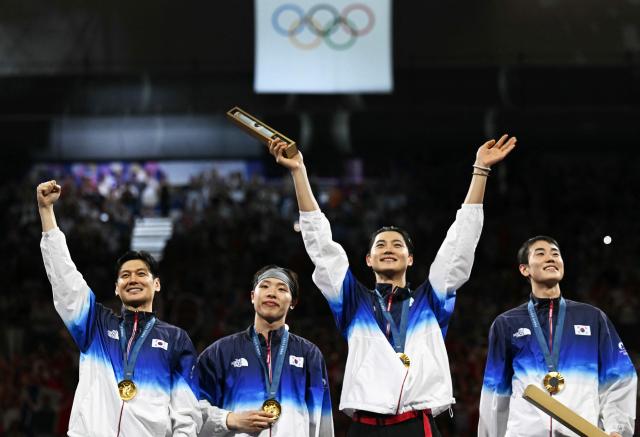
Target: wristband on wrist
479,167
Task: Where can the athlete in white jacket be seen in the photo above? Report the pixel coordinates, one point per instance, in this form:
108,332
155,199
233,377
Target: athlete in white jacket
397,373
136,371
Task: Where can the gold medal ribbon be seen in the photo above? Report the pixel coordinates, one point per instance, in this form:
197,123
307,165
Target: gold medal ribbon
126,388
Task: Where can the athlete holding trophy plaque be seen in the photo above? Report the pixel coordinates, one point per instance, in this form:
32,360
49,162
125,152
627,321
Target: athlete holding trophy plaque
397,373
567,348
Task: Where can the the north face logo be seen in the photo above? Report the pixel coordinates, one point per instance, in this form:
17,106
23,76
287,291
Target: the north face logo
240,362
522,332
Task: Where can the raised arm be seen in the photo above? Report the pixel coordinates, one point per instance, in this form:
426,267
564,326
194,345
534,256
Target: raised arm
331,274
47,194
454,260
306,200
72,297
488,154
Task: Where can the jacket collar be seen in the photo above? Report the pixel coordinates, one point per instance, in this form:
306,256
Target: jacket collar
143,316
541,302
401,292
274,335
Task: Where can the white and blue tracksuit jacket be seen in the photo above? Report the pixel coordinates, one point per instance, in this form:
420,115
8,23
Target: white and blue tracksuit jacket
166,403
375,380
600,380
232,380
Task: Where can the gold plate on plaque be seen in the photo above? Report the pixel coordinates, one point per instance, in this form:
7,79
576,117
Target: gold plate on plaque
260,130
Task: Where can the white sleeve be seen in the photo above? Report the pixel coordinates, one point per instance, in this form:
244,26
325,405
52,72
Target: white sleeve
618,406
495,396
185,414
72,297
328,256
454,260
493,413
214,420
618,381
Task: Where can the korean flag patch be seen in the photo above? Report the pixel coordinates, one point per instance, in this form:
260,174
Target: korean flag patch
159,344
296,361
582,329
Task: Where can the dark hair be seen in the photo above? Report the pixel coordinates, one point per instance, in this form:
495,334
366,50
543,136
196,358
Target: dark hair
143,256
293,278
399,230
523,252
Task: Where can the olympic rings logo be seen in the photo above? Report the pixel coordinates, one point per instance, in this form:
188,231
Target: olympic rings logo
325,23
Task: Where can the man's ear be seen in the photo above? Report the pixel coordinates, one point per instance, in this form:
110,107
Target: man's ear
294,303
410,260
252,295
116,289
368,260
524,270
156,285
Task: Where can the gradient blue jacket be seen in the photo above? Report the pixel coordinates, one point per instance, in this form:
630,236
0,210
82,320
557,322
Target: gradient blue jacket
600,380
166,403
375,380
232,380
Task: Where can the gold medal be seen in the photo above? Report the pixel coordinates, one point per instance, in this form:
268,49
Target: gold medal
272,406
127,389
405,359
553,382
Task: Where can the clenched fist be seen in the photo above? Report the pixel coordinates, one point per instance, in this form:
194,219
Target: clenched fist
48,193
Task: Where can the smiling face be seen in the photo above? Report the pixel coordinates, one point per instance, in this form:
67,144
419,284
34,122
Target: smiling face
389,254
136,286
271,299
545,265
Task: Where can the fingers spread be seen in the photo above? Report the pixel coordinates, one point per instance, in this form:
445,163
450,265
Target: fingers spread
502,139
489,144
509,148
509,143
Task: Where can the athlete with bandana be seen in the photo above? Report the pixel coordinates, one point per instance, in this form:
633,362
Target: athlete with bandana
266,380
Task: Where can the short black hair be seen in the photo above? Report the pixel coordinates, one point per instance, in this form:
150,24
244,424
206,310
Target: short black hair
399,230
523,252
143,256
293,278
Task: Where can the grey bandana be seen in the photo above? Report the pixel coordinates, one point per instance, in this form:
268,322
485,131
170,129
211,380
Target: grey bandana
277,274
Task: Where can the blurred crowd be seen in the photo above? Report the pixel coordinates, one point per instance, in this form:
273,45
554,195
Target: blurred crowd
226,228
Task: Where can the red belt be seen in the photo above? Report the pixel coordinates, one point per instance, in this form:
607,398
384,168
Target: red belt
374,419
